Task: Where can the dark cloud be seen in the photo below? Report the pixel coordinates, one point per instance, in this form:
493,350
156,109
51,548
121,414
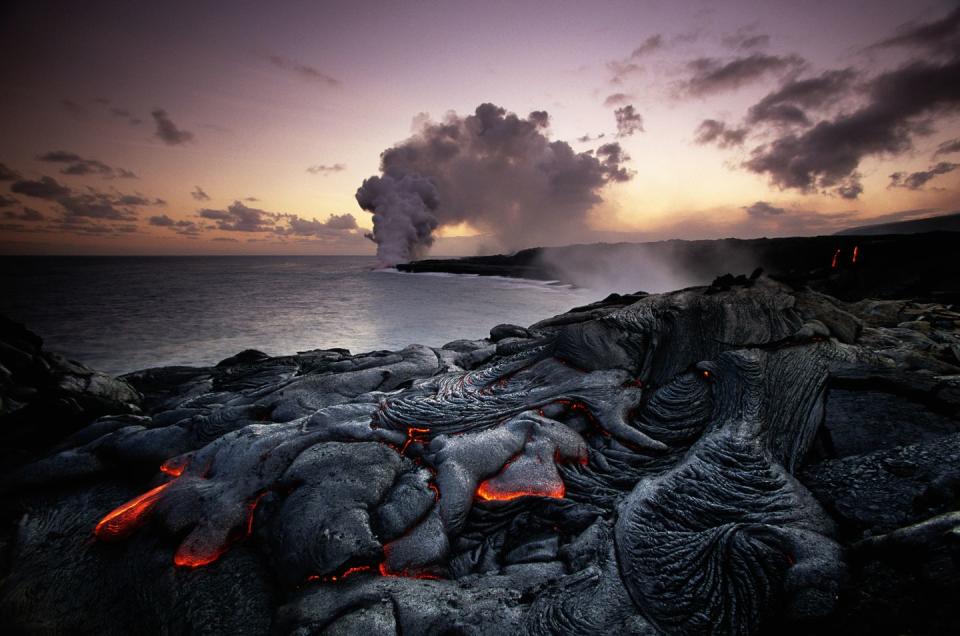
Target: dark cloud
587,138
251,199
303,71
76,110
916,180
7,174
786,105
850,188
85,204
745,39
712,131
939,36
651,44
27,214
762,209
945,148
492,169
776,220
629,121
199,195
6,202
79,166
612,157
712,75
162,220
167,131
44,188
224,239
621,70
617,99
326,169
123,113
896,106
241,218
335,224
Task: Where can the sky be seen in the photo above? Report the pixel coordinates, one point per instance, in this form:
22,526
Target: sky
248,127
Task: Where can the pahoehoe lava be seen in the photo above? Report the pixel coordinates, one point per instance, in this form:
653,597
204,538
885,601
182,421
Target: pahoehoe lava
743,458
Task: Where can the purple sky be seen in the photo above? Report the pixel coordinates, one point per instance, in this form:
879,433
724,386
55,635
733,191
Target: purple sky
247,127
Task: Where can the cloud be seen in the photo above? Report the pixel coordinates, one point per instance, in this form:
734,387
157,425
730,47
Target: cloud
27,214
617,99
76,110
745,39
161,220
303,71
775,220
325,169
916,180
167,131
238,217
199,195
651,44
586,138
945,148
939,36
335,224
492,169
79,166
123,113
86,204
712,131
712,75
763,210
44,188
785,106
8,174
896,106
6,202
629,121
621,70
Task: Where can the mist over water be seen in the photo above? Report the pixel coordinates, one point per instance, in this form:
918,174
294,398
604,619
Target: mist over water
120,314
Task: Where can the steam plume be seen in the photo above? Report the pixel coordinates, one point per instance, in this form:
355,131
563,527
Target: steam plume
496,171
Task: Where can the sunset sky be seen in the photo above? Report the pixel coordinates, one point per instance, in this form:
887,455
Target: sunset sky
247,127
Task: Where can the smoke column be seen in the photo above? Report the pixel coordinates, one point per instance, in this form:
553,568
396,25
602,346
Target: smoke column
492,169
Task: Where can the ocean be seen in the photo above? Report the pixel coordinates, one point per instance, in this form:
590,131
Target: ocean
121,314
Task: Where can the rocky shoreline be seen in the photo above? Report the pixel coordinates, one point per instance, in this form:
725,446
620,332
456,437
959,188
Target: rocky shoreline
749,456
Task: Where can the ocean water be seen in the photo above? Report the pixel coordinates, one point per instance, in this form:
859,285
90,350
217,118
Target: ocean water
121,314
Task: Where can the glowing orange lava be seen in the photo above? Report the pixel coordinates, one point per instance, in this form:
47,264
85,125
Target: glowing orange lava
413,435
252,508
386,571
836,257
489,492
173,467
333,578
186,559
856,250
123,520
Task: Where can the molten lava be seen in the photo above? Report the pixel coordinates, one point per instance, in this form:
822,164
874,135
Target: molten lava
836,259
128,517
174,466
333,578
856,250
184,558
414,434
407,574
488,491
